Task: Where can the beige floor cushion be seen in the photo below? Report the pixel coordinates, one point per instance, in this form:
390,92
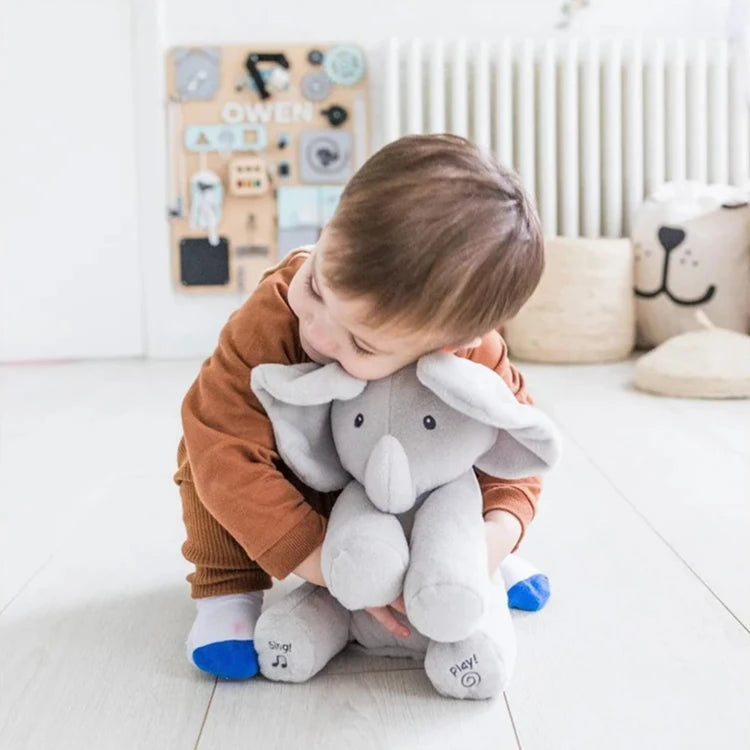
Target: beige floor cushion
707,363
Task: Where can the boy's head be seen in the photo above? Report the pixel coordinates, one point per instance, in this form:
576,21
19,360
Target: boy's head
433,245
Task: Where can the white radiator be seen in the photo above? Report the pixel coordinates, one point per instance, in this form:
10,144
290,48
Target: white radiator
590,125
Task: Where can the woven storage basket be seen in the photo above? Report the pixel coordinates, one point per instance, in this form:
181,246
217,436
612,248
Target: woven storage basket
583,309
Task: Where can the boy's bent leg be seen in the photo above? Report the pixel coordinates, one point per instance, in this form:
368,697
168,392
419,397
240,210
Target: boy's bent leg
227,585
221,564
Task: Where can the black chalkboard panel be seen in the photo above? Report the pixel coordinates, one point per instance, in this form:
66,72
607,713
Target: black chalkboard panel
204,264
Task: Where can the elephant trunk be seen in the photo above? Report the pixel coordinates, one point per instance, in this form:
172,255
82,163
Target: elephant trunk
387,477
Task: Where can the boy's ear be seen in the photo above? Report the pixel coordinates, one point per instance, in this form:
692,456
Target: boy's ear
473,344
297,399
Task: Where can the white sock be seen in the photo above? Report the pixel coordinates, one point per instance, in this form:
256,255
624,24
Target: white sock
514,569
231,617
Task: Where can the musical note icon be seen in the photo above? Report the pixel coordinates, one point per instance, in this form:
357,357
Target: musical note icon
280,661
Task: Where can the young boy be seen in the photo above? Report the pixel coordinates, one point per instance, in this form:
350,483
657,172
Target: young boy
433,246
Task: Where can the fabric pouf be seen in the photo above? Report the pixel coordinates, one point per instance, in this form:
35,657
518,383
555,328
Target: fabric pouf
711,363
692,252
583,309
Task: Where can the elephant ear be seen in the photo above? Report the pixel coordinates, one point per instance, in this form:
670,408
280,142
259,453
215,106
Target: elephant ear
297,399
527,442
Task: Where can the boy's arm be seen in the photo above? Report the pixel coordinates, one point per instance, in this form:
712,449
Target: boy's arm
230,442
503,532
311,569
509,505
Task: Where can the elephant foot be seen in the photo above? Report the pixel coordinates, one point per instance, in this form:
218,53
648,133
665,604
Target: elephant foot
479,666
299,635
444,612
366,572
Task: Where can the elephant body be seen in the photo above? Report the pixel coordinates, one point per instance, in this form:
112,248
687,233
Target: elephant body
409,518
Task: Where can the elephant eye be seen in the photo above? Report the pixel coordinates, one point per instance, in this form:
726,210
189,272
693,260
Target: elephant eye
358,420
429,422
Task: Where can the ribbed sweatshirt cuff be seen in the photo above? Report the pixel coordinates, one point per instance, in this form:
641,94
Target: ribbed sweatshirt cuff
294,547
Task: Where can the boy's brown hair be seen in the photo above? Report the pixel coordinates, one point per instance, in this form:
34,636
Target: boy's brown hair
438,236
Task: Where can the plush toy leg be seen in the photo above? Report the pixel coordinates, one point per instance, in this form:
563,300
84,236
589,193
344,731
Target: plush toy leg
365,554
447,582
527,587
481,665
299,635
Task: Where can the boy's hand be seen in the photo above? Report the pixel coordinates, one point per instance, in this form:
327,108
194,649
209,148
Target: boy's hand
502,532
310,570
385,617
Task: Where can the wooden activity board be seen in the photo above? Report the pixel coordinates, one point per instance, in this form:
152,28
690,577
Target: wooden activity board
262,140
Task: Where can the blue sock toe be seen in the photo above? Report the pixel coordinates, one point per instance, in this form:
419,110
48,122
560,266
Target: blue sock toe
531,594
230,660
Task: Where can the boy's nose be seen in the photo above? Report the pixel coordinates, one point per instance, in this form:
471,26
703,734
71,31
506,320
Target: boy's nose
322,340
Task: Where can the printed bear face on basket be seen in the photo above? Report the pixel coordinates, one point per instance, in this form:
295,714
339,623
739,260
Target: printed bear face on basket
403,435
692,251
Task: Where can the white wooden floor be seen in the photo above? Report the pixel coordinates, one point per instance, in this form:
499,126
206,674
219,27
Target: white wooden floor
644,532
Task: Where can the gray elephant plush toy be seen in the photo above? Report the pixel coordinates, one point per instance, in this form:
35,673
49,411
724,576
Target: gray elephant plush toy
403,449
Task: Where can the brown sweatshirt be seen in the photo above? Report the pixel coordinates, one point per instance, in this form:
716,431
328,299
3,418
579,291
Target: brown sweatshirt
231,452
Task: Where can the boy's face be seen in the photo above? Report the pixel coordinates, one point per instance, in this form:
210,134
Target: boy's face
332,328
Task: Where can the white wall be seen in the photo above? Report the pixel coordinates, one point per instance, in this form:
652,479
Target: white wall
70,281
69,263
181,324
302,20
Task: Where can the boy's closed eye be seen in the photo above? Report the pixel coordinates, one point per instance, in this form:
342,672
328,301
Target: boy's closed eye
310,286
358,348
